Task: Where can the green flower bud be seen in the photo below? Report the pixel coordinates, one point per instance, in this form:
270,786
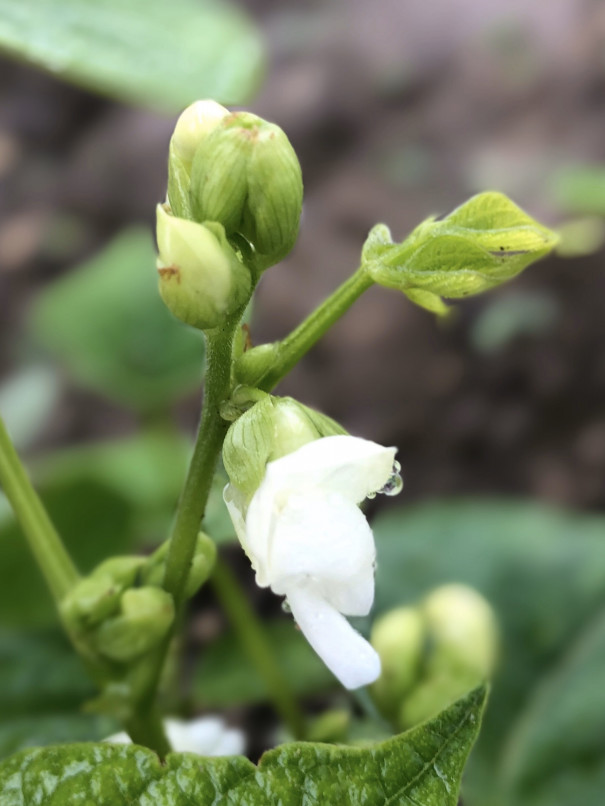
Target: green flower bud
398,636
146,616
270,429
191,127
481,244
246,176
201,279
201,565
252,365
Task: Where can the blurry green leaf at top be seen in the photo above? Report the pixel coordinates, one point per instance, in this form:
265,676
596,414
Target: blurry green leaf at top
580,189
163,54
543,571
105,322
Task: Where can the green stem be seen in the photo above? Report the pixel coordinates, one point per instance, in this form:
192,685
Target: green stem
255,644
46,545
147,730
209,440
300,341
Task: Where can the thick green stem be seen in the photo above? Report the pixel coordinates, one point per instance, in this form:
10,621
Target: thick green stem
300,341
46,545
208,444
256,646
147,730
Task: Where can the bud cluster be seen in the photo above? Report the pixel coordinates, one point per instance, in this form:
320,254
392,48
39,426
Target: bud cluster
433,653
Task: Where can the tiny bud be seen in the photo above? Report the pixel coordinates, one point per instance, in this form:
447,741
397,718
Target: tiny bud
252,365
398,636
193,125
146,616
201,565
201,279
246,176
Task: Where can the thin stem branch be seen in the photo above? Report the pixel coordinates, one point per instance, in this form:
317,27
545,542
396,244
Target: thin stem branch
300,341
46,545
257,647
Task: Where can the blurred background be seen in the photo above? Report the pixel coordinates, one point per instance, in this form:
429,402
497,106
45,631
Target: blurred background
397,111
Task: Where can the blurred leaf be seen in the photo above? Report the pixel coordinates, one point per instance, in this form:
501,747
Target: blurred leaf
564,719
423,766
580,189
581,236
42,687
541,569
147,471
27,399
94,521
105,320
511,315
224,677
163,55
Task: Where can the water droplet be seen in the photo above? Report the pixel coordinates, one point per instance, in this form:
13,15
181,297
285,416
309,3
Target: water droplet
394,484
371,496
285,606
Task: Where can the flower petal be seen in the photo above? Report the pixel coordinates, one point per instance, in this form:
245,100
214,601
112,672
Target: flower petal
347,465
344,651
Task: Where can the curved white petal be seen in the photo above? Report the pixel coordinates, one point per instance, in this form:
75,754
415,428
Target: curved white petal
206,736
344,651
326,539
347,465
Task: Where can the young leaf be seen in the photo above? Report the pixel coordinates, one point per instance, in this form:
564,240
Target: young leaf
163,55
422,767
481,244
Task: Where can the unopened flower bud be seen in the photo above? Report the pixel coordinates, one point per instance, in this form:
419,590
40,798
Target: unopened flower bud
246,176
398,636
146,616
201,565
202,280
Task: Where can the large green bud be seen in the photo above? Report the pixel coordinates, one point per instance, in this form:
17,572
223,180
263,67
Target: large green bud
246,175
433,653
201,279
273,427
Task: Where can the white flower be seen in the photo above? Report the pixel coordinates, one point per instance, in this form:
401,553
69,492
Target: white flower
206,736
308,540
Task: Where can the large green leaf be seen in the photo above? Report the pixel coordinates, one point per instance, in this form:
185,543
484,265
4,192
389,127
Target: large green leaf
543,570
224,676
42,687
161,54
422,767
106,322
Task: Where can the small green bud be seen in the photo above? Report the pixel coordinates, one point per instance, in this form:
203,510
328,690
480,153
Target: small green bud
480,245
251,366
201,279
270,429
146,616
201,566
463,631
246,176
398,636
191,127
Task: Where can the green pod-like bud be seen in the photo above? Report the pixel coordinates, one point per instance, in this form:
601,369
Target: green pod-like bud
252,365
398,636
192,126
146,615
202,281
246,176
481,244
202,564
273,427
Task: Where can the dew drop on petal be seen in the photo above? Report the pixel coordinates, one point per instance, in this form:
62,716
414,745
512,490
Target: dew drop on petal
285,606
394,484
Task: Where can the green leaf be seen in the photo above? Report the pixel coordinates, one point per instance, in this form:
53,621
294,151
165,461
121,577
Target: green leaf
163,55
542,570
580,189
422,767
42,688
478,246
224,677
106,322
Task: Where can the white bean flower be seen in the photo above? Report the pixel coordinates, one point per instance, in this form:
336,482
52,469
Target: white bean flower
206,736
308,540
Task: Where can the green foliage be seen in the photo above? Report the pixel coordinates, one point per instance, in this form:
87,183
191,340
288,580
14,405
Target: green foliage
580,189
106,322
478,246
42,687
162,55
542,570
421,767
224,677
